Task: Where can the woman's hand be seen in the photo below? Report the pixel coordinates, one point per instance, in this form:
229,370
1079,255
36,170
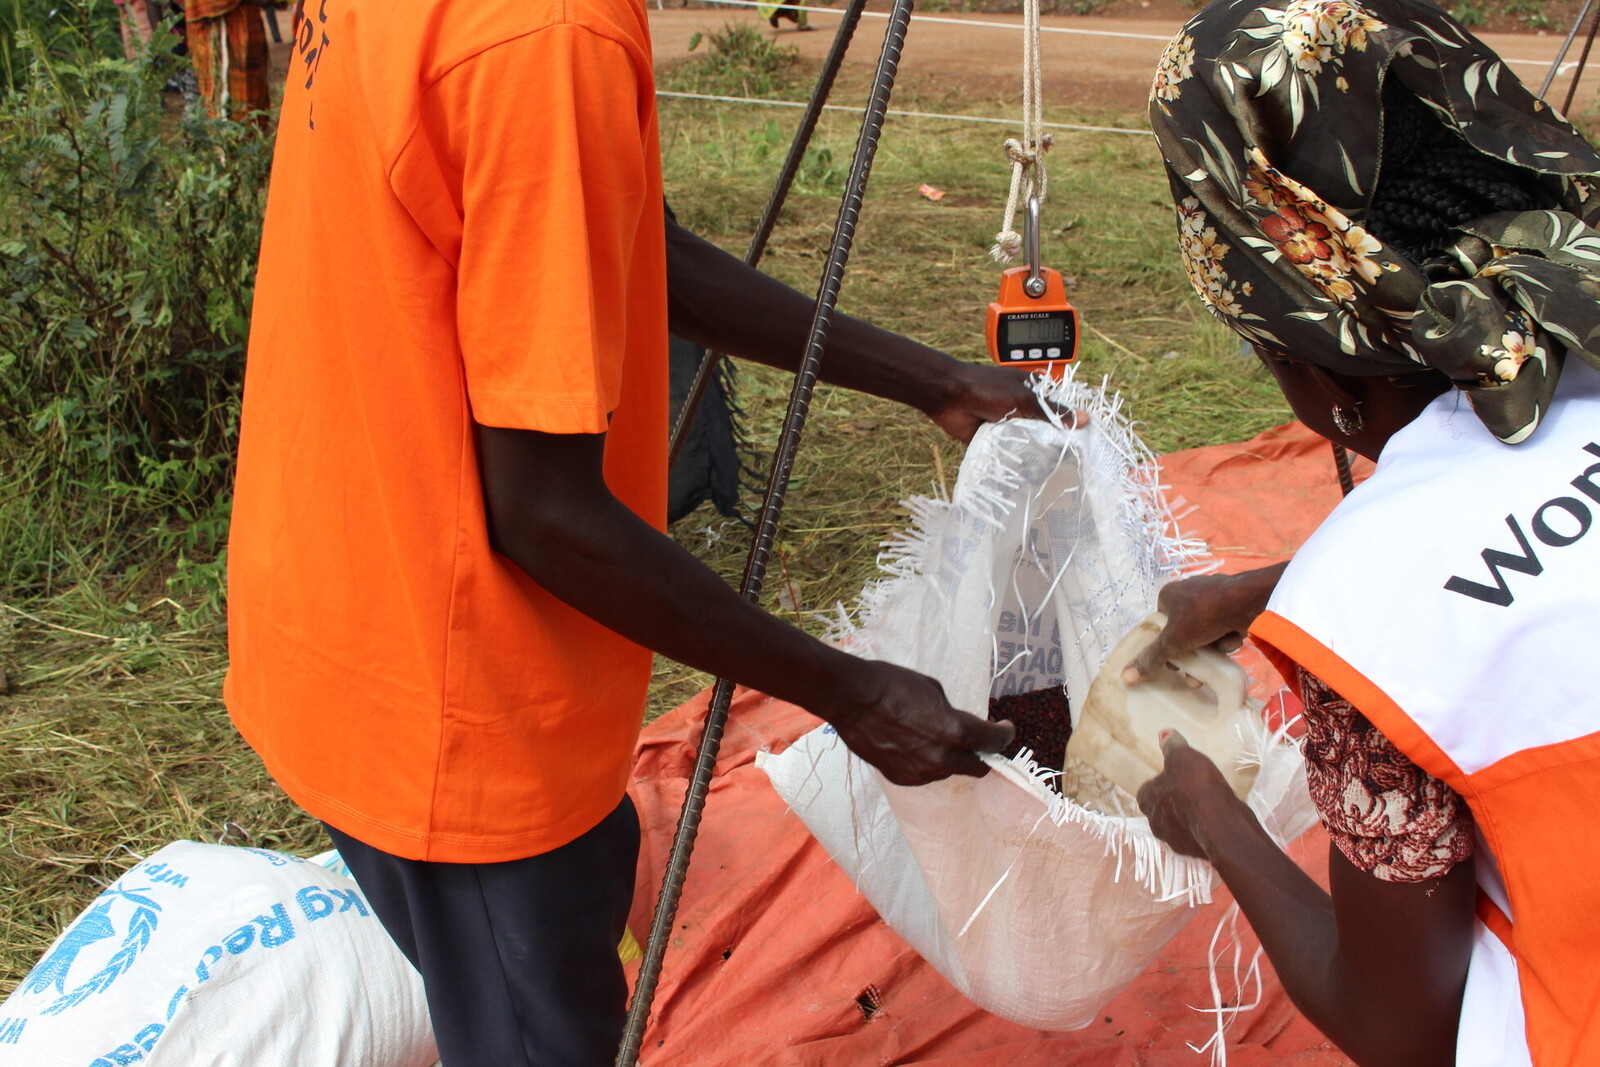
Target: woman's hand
1182,801
1212,609
1377,966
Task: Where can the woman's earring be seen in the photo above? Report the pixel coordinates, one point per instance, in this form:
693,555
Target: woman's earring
1348,420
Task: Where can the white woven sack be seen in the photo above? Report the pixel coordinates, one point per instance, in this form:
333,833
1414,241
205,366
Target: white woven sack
215,956
1053,545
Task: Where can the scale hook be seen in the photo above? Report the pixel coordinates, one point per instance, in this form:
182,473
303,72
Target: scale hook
1034,286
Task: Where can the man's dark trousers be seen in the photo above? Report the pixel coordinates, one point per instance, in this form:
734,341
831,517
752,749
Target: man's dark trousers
519,959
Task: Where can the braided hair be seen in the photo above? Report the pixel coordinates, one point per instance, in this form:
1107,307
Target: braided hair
1431,180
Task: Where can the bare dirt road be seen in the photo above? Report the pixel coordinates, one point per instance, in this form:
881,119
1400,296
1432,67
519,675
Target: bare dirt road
1093,65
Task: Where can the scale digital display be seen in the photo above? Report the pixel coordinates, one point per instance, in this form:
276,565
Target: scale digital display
1032,331
1048,330
1033,337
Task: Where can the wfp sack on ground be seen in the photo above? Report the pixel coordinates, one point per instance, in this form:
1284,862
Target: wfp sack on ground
216,956
1052,546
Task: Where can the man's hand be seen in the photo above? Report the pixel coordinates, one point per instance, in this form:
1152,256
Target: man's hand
1212,609
1174,800
907,729
987,393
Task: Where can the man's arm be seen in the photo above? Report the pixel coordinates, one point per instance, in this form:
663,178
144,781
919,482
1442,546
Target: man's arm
549,512
715,300
1379,967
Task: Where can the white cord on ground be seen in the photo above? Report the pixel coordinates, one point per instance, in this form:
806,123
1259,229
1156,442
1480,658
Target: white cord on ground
1028,178
1222,1011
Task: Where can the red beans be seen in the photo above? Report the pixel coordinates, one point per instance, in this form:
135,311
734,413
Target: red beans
1044,723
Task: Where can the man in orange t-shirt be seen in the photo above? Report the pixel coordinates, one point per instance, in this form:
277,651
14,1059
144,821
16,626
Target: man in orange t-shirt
447,564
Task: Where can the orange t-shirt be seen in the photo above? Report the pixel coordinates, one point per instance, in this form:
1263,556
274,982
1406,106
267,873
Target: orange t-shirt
465,223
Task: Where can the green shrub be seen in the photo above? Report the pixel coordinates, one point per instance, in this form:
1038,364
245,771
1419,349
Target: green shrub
1078,7
61,25
1530,13
739,61
128,238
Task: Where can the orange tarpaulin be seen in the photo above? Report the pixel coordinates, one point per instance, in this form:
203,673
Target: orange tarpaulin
777,960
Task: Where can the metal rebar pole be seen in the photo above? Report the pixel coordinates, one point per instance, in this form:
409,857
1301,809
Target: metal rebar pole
1550,76
1341,463
769,215
766,532
1583,60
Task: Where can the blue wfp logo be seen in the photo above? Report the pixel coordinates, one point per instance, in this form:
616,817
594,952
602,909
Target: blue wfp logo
129,914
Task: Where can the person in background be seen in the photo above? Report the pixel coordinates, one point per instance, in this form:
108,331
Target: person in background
1404,234
774,12
228,48
447,563
137,19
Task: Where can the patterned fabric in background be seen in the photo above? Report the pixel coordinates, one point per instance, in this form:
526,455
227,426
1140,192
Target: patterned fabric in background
228,47
1271,122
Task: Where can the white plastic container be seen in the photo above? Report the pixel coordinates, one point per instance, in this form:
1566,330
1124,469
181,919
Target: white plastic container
1119,730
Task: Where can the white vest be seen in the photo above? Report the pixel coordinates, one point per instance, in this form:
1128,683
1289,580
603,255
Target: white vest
1454,598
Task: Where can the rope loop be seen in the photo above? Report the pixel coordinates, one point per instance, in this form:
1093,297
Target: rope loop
1025,154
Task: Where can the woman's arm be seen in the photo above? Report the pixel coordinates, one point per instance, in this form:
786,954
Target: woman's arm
1211,609
1379,967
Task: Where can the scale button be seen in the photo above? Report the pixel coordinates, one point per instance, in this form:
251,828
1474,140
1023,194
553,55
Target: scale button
1053,353
1035,353
1017,353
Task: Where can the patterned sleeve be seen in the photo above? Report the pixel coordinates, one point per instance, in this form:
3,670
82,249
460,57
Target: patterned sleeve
1388,816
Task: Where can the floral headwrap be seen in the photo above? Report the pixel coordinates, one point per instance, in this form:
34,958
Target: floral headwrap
1249,94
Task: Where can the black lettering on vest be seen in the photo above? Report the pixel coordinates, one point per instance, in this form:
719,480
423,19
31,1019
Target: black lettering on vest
1572,506
1584,483
1500,593
1528,563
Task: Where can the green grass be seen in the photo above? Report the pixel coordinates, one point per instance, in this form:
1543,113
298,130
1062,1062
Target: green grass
114,741
112,736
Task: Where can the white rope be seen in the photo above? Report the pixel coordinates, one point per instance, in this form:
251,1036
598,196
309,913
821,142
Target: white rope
1028,177
896,114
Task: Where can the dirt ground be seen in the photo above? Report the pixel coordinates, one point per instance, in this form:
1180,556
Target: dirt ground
1103,63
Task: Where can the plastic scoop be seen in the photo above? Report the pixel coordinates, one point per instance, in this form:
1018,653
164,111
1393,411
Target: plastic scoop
1118,732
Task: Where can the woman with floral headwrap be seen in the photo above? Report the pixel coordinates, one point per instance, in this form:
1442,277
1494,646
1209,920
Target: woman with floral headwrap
1405,236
